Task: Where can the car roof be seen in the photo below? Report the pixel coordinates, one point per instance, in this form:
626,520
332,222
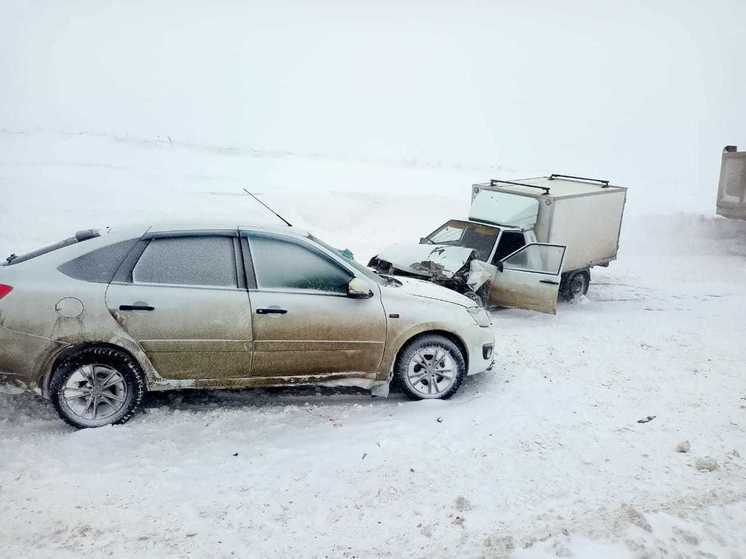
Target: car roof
206,226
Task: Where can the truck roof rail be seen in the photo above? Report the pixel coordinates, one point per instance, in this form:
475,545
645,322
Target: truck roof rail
602,182
498,182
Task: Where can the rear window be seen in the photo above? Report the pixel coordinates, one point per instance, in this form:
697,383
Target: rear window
99,265
200,261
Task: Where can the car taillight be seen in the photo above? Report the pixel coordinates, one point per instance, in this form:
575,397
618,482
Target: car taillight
4,290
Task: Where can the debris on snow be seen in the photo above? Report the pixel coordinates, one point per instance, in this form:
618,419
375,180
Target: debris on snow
706,464
635,517
683,447
647,419
462,504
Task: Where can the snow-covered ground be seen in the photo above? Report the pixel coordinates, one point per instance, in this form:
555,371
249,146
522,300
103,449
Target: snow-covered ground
544,457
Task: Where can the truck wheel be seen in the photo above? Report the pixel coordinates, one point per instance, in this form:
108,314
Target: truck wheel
430,367
575,285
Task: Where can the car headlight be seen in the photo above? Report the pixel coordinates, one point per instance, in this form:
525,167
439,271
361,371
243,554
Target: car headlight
480,316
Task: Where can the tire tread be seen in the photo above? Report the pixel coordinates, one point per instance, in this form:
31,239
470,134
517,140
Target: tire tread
424,340
116,358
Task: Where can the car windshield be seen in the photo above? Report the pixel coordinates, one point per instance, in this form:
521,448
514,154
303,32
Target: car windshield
466,234
368,273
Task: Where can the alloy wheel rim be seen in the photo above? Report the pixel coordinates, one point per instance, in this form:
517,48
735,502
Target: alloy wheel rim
95,392
432,371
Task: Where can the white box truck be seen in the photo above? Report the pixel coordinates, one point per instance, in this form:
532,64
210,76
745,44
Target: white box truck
524,242
732,188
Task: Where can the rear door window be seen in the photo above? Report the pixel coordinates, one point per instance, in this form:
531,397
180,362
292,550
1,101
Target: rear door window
200,261
281,264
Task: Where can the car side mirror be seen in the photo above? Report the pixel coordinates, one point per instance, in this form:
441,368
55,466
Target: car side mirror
358,289
423,241
499,266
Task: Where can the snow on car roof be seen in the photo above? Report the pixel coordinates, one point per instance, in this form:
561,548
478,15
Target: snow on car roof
199,225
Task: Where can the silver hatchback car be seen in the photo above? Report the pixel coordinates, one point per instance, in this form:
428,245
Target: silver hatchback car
95,321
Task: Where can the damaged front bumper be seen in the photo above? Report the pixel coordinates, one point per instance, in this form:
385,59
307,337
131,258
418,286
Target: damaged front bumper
453,267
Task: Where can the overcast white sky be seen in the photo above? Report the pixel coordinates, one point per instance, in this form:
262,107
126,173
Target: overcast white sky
636,91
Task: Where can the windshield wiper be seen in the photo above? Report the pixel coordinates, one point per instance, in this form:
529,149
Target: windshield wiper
390,280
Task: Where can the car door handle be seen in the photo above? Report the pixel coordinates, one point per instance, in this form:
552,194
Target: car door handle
136,308
550,282
271,310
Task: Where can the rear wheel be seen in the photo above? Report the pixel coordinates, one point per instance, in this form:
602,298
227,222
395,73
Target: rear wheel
430,367
97,386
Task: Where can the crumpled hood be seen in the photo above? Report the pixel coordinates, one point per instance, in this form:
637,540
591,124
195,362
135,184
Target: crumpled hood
422,288
440,261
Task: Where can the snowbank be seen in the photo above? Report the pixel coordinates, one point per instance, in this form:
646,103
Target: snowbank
544,457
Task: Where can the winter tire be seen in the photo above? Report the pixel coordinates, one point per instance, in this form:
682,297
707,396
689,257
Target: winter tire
97,386
430,367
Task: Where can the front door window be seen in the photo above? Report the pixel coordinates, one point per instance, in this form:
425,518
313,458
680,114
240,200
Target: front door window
542,258
285,265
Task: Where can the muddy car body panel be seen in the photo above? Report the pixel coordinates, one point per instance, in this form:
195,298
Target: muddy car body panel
411,313
241,327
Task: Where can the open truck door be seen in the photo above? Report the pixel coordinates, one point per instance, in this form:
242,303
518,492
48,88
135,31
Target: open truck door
529,278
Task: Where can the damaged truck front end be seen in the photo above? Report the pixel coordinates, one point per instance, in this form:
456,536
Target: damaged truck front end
446,257
447,266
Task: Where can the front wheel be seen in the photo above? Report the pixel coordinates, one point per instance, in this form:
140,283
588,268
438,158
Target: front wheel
430,367
97,386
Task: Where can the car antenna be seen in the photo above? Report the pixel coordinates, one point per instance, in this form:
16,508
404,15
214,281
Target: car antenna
246,190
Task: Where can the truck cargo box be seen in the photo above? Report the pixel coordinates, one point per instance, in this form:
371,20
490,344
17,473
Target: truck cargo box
583,214
732,188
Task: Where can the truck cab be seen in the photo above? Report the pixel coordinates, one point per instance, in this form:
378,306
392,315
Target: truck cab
493,265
